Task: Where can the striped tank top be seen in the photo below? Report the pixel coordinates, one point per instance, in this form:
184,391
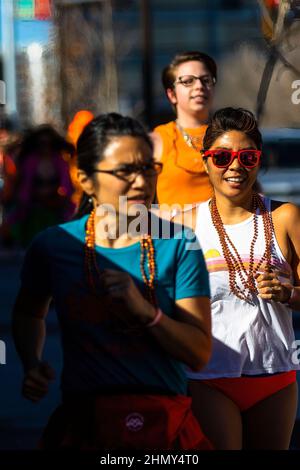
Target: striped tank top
248,338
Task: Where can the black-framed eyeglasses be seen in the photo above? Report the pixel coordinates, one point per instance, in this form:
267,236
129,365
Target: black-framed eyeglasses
129,172
189,80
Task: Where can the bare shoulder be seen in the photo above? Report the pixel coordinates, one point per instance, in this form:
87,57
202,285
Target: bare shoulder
187,218
158,144
285,213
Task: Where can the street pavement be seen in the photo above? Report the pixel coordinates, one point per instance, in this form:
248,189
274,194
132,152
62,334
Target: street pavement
21,421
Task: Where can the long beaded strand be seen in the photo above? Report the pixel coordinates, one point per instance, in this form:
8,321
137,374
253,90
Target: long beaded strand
147,251
234,262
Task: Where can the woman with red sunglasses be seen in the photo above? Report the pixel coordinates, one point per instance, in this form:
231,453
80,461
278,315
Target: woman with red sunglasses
246,396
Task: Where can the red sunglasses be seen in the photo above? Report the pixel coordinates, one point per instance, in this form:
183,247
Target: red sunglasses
222,158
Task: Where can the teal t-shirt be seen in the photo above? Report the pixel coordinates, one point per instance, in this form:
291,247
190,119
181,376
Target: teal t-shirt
96,354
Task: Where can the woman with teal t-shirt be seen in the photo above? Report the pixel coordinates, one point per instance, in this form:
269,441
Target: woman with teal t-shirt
133,308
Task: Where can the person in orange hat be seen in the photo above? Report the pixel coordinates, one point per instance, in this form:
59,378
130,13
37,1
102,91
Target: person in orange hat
78,123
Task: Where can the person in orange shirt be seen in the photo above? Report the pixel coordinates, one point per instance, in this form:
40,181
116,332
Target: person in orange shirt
189,82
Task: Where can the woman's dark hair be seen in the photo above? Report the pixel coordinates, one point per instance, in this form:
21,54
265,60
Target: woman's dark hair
94,139
232,119
168,73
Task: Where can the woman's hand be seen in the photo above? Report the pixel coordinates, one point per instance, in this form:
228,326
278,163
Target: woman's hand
270,288
126,297
36,381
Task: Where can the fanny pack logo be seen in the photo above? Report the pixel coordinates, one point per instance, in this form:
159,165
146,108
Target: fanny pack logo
134,422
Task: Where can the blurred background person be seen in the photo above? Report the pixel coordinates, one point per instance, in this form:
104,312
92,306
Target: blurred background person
76,126
9,146
44,188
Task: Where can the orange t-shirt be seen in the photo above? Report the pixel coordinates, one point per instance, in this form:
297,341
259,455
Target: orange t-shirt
183,179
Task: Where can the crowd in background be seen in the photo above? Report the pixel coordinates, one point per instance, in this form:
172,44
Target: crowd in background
37,179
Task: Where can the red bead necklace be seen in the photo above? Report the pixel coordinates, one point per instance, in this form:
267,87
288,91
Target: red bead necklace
236,267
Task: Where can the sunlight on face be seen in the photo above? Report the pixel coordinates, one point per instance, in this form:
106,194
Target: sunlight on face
191,99
234,180
122,153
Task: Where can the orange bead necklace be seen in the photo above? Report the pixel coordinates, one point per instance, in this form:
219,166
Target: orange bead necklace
147,257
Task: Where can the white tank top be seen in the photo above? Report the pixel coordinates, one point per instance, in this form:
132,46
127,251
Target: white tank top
248,339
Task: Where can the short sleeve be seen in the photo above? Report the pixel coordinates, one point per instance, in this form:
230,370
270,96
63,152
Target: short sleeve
166,136
35,272
191,275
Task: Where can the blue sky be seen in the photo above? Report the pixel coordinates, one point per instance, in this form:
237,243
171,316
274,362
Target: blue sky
31,31
27,32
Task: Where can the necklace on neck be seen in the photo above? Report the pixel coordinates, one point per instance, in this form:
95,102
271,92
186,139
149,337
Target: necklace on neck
193,141
92,271
236,267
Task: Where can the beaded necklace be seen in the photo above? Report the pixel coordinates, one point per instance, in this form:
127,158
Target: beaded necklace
147,255
234,262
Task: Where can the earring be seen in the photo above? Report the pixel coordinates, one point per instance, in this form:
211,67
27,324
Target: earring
90,200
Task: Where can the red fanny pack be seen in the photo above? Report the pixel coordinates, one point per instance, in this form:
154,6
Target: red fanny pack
133,422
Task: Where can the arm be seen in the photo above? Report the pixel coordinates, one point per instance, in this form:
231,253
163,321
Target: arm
158,145
29,336
287,224
28,325
188,337
293,231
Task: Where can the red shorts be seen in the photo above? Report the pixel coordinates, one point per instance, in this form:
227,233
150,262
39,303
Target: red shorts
246,392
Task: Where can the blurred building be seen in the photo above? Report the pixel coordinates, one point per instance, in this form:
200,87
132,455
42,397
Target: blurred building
108,55
217,27
146,34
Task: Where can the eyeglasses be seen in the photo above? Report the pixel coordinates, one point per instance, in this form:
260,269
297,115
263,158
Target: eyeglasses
189,80
129,172
223,158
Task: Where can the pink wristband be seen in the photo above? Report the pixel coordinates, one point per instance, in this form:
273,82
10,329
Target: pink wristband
156,319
